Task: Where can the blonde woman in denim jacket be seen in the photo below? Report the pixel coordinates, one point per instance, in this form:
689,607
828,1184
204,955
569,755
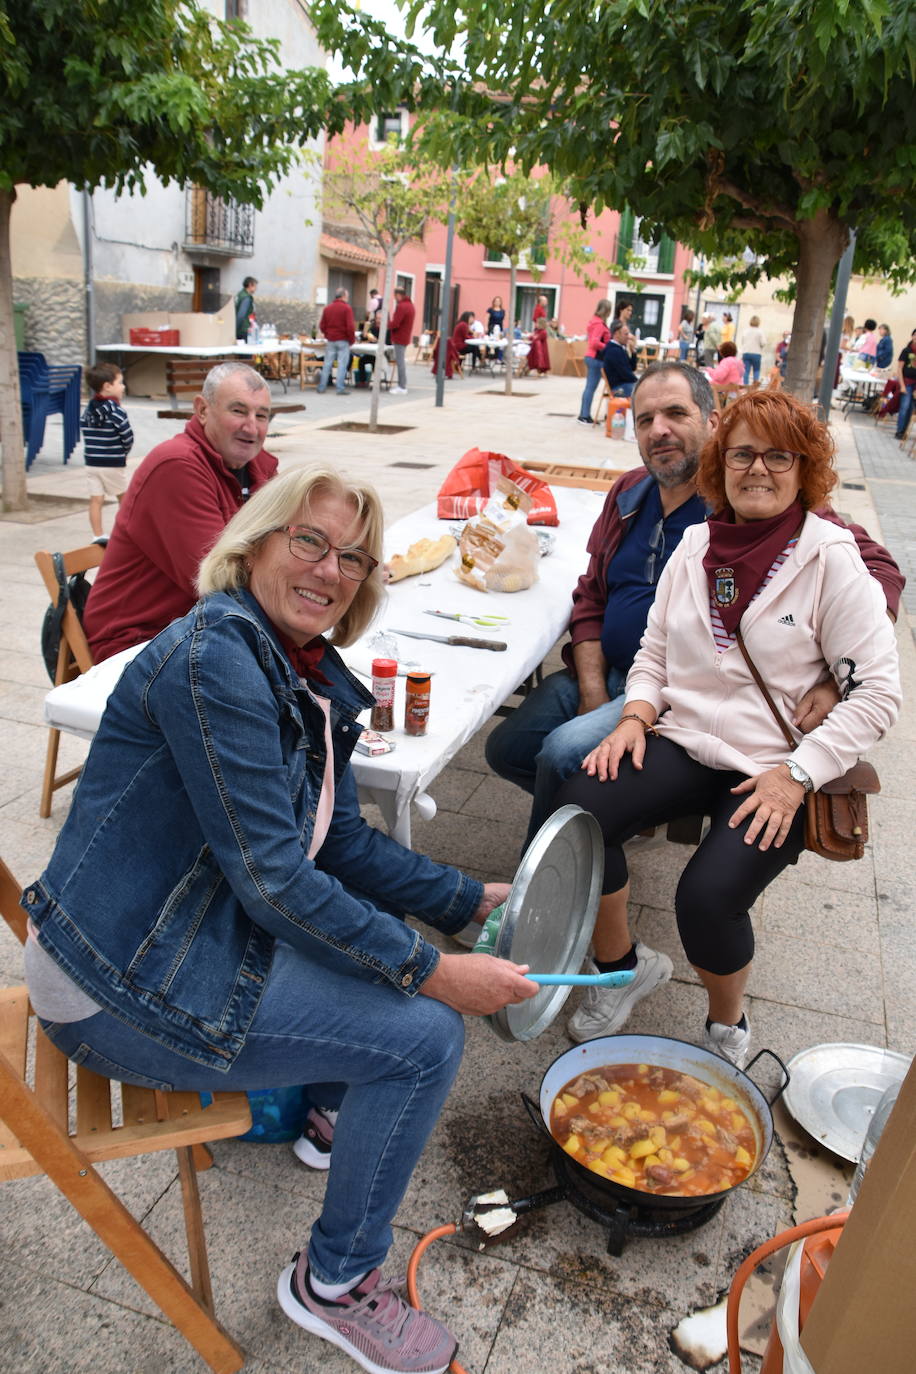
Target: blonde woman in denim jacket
217,914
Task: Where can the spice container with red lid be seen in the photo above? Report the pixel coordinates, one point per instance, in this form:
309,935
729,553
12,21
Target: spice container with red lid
384,672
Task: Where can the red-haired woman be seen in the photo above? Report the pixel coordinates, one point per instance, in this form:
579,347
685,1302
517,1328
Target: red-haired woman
696,734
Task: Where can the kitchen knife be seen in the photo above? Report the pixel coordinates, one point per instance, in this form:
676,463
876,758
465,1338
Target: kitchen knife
454,639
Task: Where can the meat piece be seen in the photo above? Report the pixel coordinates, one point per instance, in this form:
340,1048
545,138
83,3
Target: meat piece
662,1175
677,1123
726,1139
658,1078
588,1083
694,1132
690,1087
593,1131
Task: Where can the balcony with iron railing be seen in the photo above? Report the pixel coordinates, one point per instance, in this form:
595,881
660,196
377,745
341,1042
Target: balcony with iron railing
213,225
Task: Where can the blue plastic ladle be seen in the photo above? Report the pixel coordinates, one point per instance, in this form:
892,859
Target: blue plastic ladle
584,980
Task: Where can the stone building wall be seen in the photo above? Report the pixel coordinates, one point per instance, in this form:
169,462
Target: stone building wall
55,318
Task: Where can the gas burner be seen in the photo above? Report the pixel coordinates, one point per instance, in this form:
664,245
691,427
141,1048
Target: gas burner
627,1220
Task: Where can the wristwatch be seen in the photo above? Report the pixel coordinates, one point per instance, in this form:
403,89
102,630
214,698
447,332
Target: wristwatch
799,775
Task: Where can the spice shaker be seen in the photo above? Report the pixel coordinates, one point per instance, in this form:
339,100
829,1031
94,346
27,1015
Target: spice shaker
384,672
416,706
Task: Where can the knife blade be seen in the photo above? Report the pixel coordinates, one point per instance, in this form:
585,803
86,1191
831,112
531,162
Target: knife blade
461,640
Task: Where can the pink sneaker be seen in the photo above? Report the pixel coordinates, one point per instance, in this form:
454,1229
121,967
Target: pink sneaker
372,1323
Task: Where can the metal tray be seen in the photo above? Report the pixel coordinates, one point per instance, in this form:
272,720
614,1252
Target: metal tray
549,914
834,1090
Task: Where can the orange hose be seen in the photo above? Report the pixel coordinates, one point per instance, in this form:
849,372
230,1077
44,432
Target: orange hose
413,1264
807,1228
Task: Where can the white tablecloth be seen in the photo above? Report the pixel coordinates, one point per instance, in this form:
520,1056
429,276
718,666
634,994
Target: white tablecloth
467,685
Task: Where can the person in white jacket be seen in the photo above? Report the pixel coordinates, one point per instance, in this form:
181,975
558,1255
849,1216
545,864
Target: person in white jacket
696,734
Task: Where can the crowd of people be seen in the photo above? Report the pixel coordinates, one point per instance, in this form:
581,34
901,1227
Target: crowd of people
234,922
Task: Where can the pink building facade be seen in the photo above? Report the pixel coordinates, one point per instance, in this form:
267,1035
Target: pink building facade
479,274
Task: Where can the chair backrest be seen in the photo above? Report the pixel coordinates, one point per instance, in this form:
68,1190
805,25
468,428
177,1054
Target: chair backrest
186,376
10,909
74,655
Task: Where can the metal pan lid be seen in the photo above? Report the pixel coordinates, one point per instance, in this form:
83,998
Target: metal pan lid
835,1089
549,914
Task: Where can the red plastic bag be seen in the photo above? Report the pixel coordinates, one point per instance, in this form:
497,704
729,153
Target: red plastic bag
468,487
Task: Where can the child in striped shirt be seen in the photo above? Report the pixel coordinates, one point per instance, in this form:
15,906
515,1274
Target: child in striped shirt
107,440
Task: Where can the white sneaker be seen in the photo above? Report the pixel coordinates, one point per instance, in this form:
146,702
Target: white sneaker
729,1042
397,391
604,1010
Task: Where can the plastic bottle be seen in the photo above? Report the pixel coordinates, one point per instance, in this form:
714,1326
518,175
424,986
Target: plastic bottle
384,672
618,424
416,707
872,1136
489,932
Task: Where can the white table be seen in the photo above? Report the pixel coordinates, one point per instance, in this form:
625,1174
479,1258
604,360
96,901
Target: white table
865,383
467,684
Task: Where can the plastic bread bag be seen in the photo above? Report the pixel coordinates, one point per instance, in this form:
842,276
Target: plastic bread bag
478,549
507,506
517,565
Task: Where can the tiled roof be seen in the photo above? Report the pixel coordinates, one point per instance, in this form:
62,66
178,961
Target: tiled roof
332,247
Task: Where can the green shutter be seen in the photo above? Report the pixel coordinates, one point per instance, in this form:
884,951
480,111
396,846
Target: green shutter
666,254
624,237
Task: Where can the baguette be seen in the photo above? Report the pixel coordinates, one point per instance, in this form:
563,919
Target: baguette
421,557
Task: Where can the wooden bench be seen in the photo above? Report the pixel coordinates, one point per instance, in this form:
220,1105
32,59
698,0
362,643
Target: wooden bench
186,376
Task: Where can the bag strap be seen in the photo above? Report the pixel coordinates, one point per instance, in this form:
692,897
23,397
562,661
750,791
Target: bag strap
790,740
60,572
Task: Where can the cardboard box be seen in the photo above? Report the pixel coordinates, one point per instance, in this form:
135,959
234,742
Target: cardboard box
863,1319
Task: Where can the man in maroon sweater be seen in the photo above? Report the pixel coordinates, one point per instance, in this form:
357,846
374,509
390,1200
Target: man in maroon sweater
179,500
339,328
400,331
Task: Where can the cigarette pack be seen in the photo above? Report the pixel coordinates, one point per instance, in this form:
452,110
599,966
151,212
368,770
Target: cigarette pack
371,742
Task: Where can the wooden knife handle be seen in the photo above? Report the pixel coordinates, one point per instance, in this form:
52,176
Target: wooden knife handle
496,644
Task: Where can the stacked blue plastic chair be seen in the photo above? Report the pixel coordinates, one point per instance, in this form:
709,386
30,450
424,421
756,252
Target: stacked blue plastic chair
48,391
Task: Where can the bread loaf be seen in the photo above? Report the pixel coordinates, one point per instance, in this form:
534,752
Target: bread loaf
421,557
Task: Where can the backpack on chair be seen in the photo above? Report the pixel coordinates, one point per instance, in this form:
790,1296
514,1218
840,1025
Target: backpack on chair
74,591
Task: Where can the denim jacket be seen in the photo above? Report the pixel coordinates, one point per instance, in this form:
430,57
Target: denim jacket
183,858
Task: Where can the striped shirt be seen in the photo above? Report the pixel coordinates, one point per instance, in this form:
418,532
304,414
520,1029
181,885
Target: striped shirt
722,638
107,435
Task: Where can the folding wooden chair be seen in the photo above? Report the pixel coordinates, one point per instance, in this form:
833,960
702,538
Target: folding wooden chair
35,1139
73,656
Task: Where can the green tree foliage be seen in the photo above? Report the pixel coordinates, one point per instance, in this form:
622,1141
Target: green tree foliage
774,124
391,194
110,93
512,214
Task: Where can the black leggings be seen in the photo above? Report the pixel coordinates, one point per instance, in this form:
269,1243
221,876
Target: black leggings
724,876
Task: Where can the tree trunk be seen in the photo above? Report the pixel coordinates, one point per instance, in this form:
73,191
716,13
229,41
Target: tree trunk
380,360
510,332
15,495
821,242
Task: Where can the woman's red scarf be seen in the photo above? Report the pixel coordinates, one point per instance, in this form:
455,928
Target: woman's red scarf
740,556
306,657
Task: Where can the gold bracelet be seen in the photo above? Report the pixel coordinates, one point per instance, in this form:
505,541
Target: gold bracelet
649,729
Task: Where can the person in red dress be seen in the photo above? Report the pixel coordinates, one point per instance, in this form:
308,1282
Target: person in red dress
538,359
540,311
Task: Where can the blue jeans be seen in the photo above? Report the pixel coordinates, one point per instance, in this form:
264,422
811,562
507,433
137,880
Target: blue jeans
683,349
593,371
335,350
389,1060
752,363
623,389
544,741
906,408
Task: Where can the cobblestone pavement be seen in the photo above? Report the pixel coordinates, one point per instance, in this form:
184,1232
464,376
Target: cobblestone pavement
836,959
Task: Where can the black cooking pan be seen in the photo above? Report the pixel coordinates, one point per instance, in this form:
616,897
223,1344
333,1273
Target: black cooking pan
659,1052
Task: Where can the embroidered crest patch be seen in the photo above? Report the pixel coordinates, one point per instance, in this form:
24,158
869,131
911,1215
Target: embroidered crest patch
726,592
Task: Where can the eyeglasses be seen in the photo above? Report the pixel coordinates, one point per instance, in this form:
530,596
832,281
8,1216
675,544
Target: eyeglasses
655,561
311,547
774,459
